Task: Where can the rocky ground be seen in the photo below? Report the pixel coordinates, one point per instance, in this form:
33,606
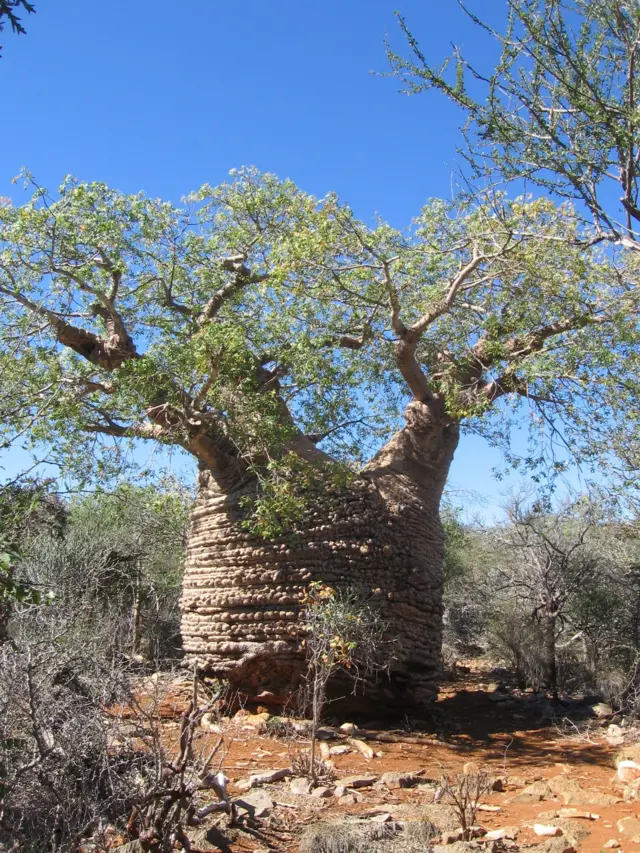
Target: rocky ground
554,778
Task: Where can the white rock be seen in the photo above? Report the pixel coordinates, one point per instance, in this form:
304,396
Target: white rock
547,831
349,729
601,710
495,835
339,750
258,802
574,813
300,786
628,771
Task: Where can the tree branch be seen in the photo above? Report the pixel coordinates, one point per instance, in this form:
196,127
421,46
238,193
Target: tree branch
442,307
242,278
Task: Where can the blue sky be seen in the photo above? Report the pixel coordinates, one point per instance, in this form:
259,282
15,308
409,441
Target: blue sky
162,97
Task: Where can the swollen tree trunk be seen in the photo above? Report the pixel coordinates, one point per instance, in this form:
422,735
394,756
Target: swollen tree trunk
242,595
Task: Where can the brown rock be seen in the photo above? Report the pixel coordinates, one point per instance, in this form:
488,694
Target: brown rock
265,777
257,803
589,798
452,836
401,779
322,792
364,780
630,826
535,793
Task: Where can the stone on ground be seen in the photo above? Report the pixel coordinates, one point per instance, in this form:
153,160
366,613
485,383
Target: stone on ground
300,786
546,830
395,779
630,826
265,777
628,770
601,710
362,780
258,803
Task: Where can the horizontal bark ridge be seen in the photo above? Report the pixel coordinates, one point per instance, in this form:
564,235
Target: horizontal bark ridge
242,595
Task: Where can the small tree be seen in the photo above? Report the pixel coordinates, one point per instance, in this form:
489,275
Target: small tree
546,562
343,632
26,510
119,562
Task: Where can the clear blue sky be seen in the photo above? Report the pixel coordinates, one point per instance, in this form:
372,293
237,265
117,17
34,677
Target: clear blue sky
162,97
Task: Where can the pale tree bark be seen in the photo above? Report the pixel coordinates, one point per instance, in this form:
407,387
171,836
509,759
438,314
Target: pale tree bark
242,595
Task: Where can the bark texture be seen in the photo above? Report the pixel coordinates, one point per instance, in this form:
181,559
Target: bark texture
241,595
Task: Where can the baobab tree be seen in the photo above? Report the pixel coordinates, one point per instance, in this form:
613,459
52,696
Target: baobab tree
279,340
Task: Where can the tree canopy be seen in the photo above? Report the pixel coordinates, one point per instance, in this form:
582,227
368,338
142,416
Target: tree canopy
558,113
256,323
560,108
9,13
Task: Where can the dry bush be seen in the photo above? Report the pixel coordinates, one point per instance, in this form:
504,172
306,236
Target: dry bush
82,757
161,817
346,837
309,766
464,793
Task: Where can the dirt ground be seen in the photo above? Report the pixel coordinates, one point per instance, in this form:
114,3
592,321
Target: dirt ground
516,736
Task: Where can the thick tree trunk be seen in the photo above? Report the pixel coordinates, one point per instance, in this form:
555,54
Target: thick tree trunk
241,596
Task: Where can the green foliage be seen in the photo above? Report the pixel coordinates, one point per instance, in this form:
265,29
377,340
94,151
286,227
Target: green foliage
572,569
559,111
284,489
343,629
343,632
560,108
118,567
25,510
455,545
253,323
